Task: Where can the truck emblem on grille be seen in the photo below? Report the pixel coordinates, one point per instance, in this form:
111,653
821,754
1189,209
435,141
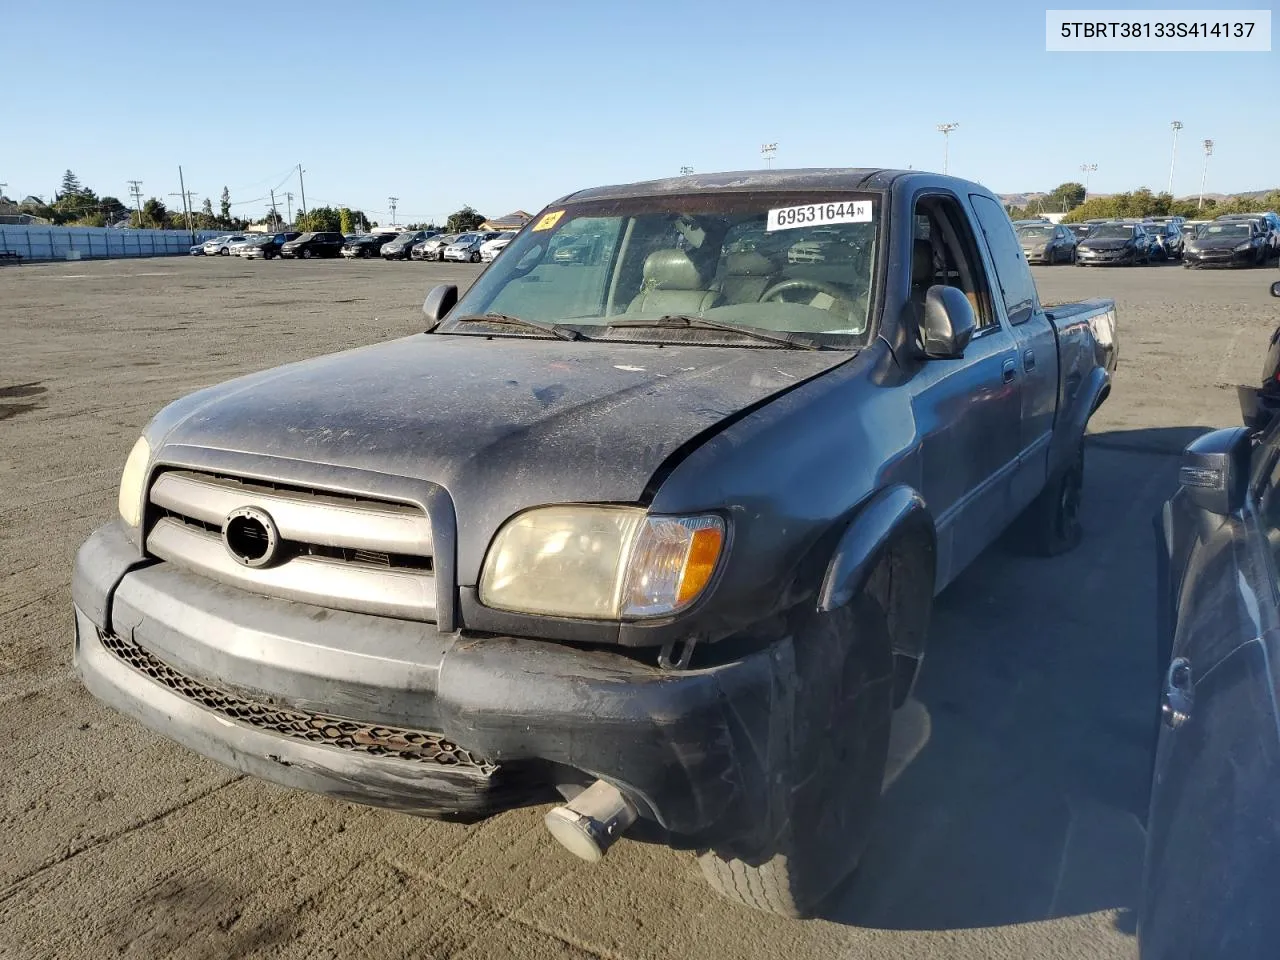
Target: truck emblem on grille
250,536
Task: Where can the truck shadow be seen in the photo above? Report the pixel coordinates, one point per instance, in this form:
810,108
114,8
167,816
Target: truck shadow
1023,762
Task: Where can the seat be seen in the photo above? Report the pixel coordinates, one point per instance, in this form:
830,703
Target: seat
745,276
923,273
673,284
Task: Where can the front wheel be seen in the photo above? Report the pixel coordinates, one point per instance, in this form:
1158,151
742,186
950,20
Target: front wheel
830,782
224,252
307,254
1051,524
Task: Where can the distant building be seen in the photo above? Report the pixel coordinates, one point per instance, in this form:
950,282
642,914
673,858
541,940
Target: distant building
512,221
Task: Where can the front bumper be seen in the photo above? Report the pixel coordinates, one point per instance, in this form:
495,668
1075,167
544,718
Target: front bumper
393,713
1107,259
1223,258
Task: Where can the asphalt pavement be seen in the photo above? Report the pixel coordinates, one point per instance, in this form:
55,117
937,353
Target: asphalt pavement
1010,826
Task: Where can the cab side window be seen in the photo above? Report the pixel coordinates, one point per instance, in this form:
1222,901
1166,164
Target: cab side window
1012,275
944,251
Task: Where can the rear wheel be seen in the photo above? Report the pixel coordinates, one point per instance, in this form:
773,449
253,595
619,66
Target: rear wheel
475,256
1051,524
827,793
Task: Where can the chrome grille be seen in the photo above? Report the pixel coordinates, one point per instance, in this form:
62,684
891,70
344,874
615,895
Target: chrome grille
381,741
341,552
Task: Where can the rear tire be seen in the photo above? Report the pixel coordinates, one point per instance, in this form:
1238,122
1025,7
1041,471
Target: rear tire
828,790
1051,524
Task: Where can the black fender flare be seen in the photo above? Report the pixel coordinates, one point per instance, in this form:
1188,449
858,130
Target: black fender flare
888,515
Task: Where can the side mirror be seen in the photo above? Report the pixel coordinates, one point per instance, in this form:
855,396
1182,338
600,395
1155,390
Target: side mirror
947,324
440,300
1215,470
1275,289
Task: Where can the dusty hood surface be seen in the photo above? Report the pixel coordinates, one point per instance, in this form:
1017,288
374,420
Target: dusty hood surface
503,423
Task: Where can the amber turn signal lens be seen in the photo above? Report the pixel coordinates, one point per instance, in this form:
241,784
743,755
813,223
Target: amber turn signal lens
701,563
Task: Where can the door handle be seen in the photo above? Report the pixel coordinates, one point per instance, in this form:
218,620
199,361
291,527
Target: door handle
1029,360
1179,693
1010,371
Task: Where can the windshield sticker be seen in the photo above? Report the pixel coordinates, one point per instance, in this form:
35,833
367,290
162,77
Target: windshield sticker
549,221
817,214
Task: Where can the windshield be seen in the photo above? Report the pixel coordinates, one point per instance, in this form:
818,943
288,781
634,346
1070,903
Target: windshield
767,261
1036,232
1241,230
465,238
1112,231
407,235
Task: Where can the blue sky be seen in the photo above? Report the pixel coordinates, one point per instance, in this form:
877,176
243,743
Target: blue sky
507,105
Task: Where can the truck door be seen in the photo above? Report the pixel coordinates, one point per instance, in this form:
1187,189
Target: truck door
966,410
1037,348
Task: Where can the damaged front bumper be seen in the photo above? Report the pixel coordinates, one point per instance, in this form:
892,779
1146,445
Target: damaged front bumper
394,713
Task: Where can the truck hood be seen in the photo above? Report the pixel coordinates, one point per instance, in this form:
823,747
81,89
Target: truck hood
502,424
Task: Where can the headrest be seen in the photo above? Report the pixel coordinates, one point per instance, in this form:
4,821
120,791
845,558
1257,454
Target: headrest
672,270
747,263
922,272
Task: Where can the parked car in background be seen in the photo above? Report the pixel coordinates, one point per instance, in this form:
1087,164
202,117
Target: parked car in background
269,248
491,248
1045,242
366,245
238,247
1166,235
1212,862
221,246
1080,230
1229,243
400,246
308,245
197,250
1189,230
1272,222
432,248
465,247
1114,243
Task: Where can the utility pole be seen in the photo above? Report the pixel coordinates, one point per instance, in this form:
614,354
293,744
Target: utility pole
391,202
1087,169
767,150
1176,125
945,129
1204,175
186,204
288,207
135,188
303,190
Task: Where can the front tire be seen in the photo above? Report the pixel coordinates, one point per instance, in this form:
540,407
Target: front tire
1051,524
826,795
307,254
224,252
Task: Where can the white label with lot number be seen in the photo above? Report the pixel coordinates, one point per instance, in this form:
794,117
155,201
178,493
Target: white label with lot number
818,214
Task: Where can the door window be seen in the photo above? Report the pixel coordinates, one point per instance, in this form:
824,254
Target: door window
942,230
1012,275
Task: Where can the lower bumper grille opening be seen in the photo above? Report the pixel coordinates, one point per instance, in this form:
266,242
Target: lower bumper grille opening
381,741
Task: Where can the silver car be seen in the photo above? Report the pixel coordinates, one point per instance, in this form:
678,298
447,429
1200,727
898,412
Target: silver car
221,246
466,247
433,247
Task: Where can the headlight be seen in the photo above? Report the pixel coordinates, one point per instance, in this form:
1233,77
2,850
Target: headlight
600,563
131,480
1242,248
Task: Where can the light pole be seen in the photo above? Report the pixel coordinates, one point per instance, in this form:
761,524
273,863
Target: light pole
1204,175
303,190
1175,126
1087,169
391,202
767,150
945,129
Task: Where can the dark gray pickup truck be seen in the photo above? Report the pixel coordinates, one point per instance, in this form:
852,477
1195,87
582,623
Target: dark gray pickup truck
647,524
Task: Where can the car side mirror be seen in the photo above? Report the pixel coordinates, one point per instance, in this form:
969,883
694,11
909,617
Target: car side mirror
948,323
1275,289
1215,470
440,300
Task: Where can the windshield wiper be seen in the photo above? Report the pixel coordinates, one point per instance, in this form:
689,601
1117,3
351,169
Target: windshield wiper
502,319
683,321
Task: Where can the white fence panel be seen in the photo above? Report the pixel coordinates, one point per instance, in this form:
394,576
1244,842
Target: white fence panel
33,243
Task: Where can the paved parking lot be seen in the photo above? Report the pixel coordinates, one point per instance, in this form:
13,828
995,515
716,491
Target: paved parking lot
1008,829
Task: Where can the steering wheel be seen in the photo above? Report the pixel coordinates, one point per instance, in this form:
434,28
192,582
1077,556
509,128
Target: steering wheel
800,283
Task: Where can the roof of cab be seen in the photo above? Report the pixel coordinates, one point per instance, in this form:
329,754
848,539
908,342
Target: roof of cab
748,181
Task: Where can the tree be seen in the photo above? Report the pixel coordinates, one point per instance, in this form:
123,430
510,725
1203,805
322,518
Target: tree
207,207
113,209
154,215
1065,196
226,204
70,185
274,219
317,219
463,220
346,223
